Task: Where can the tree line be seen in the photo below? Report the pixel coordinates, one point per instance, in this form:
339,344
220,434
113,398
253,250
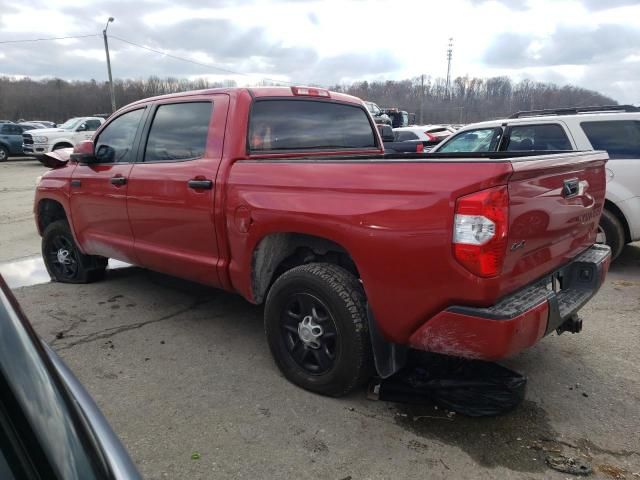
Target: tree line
471,99
468,99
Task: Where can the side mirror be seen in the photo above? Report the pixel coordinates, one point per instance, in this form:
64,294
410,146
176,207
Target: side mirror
83,153
82,128
386,132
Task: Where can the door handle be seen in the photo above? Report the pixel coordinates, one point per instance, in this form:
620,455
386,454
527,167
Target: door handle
118,180
200,184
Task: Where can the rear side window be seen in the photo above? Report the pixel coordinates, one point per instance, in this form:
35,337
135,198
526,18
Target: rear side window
404,136
620,138
178,132
537,137
280,125
480,140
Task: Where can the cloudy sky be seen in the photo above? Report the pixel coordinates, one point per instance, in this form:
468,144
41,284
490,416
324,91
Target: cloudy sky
590,43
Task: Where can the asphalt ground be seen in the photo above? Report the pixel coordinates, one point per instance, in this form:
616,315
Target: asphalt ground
184,375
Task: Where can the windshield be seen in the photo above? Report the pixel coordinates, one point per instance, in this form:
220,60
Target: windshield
71,124
373,108
481,140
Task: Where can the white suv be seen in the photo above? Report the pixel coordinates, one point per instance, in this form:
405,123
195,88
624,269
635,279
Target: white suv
44,140
615,129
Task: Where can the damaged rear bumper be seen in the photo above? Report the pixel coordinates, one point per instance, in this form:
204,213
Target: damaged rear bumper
519,320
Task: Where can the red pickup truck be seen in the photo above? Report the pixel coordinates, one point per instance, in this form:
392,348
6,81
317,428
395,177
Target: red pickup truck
284,195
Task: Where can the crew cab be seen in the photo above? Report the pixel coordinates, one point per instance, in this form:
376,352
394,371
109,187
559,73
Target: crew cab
37,143
356,255
612,128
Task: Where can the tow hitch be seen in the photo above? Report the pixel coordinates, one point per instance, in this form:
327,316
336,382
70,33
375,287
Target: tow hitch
573,324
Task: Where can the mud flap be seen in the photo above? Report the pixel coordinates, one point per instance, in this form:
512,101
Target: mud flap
389,357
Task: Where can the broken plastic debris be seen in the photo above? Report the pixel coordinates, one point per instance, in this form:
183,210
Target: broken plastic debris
470,387
572,465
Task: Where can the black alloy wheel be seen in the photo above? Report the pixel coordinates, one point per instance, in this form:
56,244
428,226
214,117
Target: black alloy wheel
309,333
316,324
62,255
64,260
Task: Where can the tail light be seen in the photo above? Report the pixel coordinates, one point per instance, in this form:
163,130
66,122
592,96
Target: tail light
480,231
419,148
431,137
310,92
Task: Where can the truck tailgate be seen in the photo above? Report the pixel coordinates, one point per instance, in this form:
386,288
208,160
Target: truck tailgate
555,207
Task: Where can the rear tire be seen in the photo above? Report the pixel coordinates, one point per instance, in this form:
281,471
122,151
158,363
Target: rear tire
4,154
611,232
64,260
316,327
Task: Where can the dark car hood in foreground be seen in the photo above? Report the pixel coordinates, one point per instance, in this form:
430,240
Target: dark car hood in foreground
55,429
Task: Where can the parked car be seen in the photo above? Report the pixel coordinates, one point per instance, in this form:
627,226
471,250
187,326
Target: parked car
615,129
378,115
392,146
46,123
431,135
356,255
32,125
49,425
10,140
6,121
66,135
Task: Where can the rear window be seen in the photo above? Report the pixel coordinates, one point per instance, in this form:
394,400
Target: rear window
537,137
620,138
283,125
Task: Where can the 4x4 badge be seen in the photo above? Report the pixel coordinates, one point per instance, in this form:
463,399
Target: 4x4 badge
517,245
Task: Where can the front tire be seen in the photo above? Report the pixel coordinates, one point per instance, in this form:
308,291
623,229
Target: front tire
4,154
316,327
64,260
611,232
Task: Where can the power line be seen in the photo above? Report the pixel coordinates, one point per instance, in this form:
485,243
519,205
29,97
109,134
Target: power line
175,57
206,65
47,39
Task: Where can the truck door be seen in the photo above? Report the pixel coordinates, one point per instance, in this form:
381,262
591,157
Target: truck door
171,192
99,191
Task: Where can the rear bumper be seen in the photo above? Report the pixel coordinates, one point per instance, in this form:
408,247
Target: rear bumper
519,320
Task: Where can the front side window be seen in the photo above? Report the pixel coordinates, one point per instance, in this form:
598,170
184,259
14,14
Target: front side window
178,132
537,137
620,138
10,129
283,125
91,125
480,140
115,143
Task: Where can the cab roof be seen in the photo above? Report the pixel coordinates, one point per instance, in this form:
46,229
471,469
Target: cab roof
257,92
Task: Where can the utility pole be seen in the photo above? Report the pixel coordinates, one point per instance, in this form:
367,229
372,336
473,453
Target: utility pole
421,97
106,49
449,55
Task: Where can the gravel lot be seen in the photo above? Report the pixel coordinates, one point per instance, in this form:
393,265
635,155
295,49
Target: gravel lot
180,369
